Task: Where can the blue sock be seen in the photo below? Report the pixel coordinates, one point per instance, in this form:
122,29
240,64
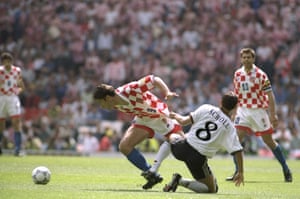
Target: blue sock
280,157
136,158
18,141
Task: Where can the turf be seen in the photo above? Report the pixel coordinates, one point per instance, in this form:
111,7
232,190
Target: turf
113,177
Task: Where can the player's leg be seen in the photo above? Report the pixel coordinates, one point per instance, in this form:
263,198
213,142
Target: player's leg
2,119
277,151
2,127
163,153
132,137
16,123
197,165
243,126
241,135
152,175
205,185
200,186
14,112
264,128
170,127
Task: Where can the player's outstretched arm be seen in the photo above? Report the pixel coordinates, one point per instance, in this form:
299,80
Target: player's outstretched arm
239,176
183,120
158,82
272,109
21,85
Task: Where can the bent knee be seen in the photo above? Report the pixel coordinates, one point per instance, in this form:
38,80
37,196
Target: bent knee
213,190
125,148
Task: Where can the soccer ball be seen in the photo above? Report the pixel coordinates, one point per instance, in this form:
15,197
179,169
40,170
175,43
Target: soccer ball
41,175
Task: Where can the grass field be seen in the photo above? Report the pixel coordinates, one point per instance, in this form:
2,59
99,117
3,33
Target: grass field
112,177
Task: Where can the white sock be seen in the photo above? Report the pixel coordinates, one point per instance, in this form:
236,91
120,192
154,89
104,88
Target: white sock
193,185
163,152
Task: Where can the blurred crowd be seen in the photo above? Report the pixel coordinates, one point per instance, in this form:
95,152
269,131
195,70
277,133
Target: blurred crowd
67,47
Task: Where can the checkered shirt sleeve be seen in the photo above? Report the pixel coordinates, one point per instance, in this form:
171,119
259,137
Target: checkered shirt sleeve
143,103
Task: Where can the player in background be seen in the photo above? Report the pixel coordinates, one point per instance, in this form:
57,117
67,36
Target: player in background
151,119
11,85
256,111
211,130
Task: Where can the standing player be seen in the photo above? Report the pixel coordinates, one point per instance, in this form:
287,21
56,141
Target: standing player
257,107
211,130
151,118
11,84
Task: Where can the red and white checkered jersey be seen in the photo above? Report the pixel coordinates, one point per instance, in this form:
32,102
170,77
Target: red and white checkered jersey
251,87
9,80
142,102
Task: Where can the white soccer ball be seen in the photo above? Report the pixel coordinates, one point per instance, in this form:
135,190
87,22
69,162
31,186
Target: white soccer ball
41,175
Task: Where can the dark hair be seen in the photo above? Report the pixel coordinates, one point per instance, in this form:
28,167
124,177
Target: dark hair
103,90
229,101
6,55
247,50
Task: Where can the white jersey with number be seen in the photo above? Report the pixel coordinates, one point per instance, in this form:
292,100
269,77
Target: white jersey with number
211,131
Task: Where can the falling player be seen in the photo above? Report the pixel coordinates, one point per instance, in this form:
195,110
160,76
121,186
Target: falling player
151,118
211,130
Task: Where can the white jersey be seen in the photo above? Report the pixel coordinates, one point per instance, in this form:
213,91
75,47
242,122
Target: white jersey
211,131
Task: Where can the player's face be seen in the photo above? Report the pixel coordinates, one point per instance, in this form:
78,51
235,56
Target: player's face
247,59
106,103
7,62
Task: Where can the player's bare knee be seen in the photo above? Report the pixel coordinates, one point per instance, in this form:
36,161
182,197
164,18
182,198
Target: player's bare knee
2,125
125,148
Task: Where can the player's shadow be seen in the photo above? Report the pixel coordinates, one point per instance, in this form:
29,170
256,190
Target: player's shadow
263,182
121,190
153,191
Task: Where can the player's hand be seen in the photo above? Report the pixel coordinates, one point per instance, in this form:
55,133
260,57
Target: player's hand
170,95
238,179
172,115
274,120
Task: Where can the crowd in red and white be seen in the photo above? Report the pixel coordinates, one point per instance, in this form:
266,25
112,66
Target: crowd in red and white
67,47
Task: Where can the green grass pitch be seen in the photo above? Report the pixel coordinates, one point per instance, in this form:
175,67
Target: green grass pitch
113,177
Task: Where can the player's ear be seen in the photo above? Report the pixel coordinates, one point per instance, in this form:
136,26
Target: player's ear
108,98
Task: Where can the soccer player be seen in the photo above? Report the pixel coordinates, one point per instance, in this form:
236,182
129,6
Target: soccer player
256,111
11,84
211,130
151,119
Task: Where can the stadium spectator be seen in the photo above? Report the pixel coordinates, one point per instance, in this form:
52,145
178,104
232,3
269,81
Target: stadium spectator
87,144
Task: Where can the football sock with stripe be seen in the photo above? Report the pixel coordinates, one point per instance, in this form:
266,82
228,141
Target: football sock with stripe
138,160
193,185
18,141
163,152
280,157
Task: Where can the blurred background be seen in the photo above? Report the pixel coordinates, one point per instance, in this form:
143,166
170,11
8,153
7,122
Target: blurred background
66,47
